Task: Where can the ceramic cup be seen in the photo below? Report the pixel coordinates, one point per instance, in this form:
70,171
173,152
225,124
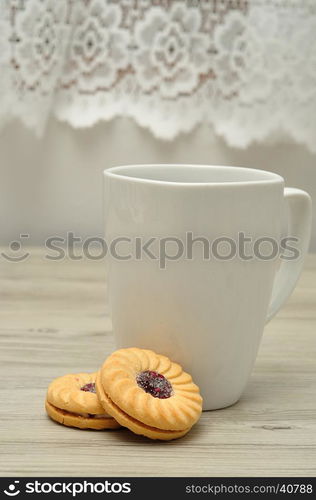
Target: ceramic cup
205,310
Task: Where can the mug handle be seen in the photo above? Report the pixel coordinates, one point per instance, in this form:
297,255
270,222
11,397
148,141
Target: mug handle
299,226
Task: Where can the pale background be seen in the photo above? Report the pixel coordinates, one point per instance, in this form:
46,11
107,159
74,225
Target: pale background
54,184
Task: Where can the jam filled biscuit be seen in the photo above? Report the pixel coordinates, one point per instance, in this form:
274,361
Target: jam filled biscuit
72,400
148,393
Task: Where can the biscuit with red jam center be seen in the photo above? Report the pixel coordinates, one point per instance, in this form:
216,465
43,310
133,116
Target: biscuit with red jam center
72,401
148,393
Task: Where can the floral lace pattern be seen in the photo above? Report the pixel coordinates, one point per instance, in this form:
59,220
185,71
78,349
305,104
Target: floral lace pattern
98,48
246,67
171,51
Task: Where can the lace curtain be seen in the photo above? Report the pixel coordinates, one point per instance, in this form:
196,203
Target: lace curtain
246,67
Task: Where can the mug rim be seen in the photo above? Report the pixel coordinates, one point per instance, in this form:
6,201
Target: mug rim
120,172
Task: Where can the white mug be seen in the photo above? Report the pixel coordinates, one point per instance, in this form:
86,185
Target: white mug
207,312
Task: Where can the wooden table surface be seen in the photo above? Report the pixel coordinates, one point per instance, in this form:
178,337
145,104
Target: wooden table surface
53,321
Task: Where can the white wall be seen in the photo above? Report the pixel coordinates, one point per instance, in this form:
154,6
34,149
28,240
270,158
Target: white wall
54,184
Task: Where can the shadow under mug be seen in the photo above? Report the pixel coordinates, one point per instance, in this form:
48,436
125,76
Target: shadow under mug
207,314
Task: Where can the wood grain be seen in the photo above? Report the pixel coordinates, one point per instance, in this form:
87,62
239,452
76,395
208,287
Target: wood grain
54,321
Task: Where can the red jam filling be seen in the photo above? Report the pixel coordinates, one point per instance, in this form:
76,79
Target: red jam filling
89,388
155,384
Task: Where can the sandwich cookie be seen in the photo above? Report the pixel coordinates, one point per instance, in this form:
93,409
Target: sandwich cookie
148,394
72,401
